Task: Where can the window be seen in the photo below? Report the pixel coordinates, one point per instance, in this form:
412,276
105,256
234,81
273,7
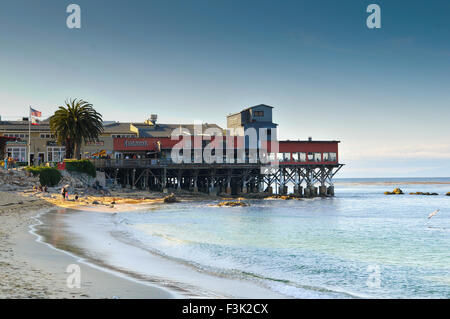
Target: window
318,157
16,135
286,157
56,154
280,157
47,136
302,157
325,157
295,157
310,157
258,114
332,157
19,153
122,135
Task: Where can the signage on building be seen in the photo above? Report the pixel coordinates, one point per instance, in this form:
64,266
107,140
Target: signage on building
136,143
99,143
18,143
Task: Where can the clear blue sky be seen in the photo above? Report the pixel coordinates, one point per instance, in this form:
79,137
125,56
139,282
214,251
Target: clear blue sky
384,93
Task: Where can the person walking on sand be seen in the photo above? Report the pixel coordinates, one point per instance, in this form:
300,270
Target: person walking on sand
63,192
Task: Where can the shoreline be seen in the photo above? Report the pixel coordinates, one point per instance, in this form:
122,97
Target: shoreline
31,269
34,268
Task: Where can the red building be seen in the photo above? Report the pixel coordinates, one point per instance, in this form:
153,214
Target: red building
289,152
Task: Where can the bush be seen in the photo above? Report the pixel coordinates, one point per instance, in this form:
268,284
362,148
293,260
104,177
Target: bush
81,166
48,176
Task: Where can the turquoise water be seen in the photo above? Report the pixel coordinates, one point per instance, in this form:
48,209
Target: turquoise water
359,244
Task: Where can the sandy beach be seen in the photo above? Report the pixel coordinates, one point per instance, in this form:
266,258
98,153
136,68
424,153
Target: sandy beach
30,269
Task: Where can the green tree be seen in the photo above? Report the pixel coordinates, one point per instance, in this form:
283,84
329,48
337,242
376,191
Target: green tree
75,122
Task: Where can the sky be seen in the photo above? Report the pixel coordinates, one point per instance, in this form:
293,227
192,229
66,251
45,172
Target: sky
384,93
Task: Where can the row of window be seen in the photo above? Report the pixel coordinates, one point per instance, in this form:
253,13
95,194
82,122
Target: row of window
19,154
47,136
52,136
300,157
122,135
23,135
16,135
54,154
307,157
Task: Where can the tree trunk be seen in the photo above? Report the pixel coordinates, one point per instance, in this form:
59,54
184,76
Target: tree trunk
77,151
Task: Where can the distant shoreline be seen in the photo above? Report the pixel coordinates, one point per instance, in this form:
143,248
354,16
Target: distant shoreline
391,183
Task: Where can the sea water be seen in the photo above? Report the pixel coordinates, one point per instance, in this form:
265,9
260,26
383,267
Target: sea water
361,243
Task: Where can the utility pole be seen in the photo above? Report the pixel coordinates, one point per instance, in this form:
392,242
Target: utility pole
29,137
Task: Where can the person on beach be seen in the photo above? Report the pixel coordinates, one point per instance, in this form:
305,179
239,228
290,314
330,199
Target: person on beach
63,193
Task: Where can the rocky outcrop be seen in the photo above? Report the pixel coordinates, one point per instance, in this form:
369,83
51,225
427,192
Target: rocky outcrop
283,197
16,179
426,194
170,199
396,191
233,204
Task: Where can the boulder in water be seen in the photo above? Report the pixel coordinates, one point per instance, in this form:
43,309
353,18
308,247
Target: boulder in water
233,204
170,199
396,191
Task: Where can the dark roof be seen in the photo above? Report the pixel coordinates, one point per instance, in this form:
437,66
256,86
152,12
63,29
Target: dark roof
145,130
23,126
117,127
249,108
165,130
308,141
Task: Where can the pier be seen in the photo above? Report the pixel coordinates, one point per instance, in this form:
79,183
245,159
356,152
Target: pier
307,180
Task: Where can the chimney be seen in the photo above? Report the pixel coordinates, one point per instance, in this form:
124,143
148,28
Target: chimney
153,118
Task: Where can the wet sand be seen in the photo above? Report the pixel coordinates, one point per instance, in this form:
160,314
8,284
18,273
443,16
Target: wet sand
30,269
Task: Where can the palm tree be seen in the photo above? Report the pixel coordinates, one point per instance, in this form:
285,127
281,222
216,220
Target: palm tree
74,123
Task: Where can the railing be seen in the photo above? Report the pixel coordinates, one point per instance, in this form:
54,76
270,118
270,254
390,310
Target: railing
155,163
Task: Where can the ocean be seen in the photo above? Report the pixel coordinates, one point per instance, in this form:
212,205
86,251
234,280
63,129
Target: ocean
359,244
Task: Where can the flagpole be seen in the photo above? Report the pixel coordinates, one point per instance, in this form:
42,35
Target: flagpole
29,138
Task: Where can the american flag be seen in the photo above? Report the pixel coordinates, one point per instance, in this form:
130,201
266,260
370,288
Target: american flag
34,112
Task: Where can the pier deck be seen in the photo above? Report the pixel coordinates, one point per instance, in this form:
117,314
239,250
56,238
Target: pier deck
230,178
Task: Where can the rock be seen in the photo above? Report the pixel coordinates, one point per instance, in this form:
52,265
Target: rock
170,199
283,197
95,202
426,194
233,204
448,194
8,188
396,191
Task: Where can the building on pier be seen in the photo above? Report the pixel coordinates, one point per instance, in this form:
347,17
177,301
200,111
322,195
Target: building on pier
307,166
157,156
